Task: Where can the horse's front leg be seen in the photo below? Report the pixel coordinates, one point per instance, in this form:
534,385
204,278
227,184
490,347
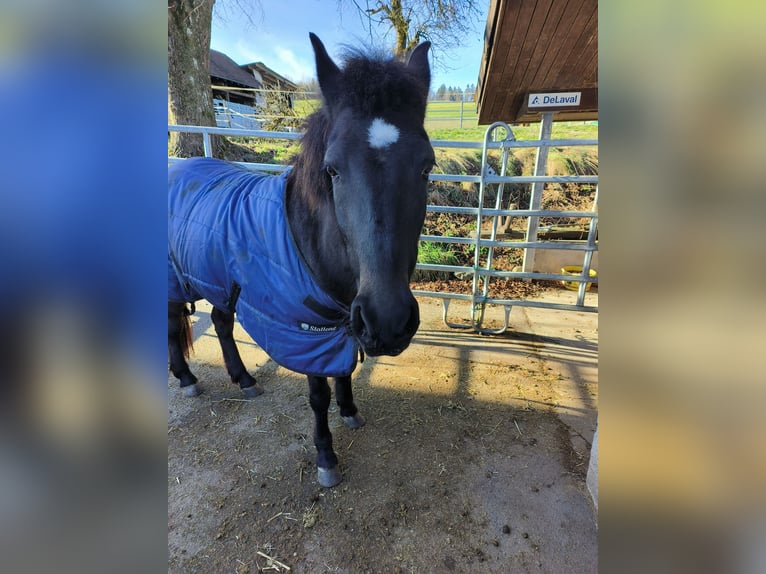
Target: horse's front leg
345,398
327,461
179,337
224,328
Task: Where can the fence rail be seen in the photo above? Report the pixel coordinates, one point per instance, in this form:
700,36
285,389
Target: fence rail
482,274
441,113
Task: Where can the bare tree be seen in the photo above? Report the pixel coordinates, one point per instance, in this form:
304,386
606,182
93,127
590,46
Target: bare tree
443,22
278,111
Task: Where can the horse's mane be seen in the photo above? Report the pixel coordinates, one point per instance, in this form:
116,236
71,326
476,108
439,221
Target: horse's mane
308,176
372,85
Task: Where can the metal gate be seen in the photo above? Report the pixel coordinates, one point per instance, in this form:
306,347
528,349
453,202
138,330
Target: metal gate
498,136
483,274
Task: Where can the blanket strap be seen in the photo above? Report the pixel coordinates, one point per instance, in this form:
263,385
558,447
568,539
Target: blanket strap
231,302
181,281
327,313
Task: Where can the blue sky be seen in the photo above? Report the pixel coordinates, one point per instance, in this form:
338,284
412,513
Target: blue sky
279,37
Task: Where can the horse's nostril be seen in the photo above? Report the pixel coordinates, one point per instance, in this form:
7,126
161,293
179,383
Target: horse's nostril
414,321
384,333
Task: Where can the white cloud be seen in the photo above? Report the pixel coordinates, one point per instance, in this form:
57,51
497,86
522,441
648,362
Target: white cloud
280,59
290,66
245,54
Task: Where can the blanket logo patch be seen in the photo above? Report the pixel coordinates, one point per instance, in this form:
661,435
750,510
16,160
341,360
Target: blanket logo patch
318,328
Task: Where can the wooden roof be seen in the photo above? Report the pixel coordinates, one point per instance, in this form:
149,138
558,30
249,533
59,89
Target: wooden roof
538,46
224,68
270,78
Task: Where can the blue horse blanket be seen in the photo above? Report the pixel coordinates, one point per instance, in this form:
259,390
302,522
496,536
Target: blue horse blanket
229,242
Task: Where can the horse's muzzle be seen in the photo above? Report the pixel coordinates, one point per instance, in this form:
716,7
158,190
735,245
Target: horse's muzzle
386,326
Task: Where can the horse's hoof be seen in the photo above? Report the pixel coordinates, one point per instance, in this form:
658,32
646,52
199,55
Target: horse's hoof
354,422
252,391
191,390
328,477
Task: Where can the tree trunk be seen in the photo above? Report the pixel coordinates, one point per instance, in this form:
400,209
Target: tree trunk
401,26
393,11
190,98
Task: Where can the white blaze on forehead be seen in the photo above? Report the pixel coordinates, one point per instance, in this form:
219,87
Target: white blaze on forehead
381,134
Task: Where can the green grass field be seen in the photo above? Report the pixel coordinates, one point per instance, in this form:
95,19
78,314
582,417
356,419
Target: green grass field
443,122
561,130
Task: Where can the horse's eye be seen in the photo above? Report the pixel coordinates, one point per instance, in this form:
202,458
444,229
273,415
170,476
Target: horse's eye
331,171
426,172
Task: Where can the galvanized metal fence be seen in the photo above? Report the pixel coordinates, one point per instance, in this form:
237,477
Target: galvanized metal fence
499,136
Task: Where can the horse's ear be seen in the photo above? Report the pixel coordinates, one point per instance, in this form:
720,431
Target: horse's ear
418,63
328,73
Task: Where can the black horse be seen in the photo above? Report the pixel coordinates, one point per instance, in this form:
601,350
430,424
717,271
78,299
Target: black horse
316,262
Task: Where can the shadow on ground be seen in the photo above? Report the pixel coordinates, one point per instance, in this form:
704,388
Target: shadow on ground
473,459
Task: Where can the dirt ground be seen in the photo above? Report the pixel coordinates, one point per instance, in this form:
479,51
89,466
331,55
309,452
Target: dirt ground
473,458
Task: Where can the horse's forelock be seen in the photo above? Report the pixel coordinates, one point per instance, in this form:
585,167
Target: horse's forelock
372,84
373,87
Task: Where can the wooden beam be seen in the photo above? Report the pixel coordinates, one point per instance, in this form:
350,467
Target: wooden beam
545,46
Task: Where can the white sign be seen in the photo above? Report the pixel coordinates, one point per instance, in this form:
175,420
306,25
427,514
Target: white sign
554,100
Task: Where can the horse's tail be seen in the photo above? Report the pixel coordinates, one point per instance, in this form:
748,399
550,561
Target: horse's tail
186,336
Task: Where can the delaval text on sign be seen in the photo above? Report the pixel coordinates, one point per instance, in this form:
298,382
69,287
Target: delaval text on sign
554,100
